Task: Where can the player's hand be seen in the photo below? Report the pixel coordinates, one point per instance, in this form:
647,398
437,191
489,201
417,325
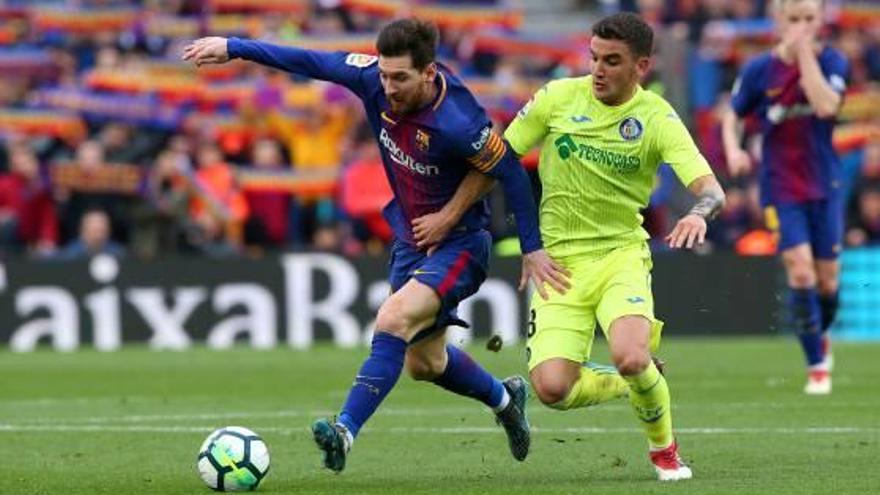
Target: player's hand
430,230
796,40
738,162
539,268
210,50
802,46
689,230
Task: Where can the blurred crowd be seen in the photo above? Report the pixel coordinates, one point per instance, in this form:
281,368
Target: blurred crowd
111,144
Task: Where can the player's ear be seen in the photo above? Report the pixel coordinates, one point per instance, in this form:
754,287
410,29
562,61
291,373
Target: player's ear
430,72
643,65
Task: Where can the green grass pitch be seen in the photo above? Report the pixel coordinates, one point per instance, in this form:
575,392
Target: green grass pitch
131,422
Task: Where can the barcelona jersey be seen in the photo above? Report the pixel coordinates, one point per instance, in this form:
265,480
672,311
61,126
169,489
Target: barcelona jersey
798,161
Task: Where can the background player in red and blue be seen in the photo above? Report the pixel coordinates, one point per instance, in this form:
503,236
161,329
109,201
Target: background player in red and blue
796,90
436,144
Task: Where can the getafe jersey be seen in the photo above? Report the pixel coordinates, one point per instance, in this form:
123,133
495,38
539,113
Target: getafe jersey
426,154
597,162
798,162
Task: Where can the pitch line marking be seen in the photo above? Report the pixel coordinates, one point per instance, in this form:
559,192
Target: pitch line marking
475,410
97,428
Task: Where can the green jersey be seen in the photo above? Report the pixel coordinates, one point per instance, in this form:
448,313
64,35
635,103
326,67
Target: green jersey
598,162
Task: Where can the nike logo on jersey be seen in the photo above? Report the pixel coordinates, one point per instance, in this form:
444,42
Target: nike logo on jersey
579,119
773,92
635,300
422,272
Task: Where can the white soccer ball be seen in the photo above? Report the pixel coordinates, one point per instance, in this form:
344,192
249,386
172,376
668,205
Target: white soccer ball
233,459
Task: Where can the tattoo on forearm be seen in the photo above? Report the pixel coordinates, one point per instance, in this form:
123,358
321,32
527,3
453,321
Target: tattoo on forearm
708,205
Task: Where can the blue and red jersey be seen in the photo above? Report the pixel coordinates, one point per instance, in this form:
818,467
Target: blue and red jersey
798,162
427,153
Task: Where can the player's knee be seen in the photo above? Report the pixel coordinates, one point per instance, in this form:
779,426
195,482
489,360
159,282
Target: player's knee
828,286
393,319
424,368
802,278
403,318
631,362
801,273
551,392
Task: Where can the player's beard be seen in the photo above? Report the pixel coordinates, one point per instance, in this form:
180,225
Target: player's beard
402,105
397,106
405,105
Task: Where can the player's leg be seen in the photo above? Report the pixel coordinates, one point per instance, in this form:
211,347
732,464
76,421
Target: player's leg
800,272
626,312
806,314
383,366
628,340
432,359
564,384
828,281
828,275
560,338
455,271
401,316
803,306
426,359
827,229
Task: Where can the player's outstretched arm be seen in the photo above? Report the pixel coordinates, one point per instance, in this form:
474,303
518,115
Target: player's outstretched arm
738,160
339,67
691,228
430,230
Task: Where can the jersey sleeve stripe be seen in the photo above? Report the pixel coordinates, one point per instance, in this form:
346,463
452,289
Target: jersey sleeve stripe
492,164
496,153
494,143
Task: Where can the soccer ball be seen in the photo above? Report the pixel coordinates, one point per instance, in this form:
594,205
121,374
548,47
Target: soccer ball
233,459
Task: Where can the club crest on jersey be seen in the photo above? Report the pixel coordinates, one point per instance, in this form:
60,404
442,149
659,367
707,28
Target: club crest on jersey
630,129
423,140
360,60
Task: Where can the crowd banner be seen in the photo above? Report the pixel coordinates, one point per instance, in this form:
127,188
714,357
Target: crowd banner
61,124
454,16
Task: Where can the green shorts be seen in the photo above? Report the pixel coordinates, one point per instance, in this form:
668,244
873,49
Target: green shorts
604,288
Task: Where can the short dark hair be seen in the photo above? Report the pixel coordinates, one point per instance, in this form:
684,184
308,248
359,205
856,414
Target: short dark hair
412,37
629,28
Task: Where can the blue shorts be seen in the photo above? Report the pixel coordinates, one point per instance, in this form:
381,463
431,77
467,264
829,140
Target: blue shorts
817,223
455,271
